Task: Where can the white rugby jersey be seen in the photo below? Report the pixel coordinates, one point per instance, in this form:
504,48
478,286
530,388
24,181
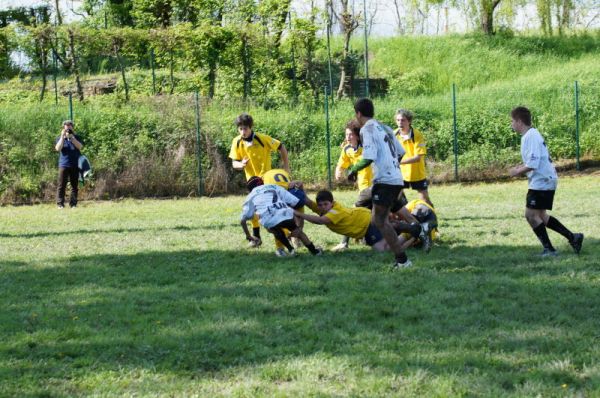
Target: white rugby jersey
381,146
535,155
271,203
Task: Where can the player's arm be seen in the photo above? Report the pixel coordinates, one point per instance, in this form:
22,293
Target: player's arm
247,214
320,220
339,172
342,164
361,164
531,158
311,204
239,164
519,170
414,159
284,157
420,147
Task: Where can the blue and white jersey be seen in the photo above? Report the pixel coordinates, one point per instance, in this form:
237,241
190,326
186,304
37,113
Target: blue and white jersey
535,155
381,146
272,204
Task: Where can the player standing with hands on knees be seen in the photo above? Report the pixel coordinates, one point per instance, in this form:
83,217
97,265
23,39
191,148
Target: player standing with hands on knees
543,180
69,145
381,148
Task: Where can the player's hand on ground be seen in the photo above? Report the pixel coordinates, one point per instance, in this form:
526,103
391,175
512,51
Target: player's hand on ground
252,239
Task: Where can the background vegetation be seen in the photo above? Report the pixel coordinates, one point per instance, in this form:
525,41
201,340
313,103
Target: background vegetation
133,72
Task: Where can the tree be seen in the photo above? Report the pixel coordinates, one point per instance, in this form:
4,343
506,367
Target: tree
487,8
348,24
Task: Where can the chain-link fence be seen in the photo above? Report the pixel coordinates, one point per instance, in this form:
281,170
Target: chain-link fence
167,145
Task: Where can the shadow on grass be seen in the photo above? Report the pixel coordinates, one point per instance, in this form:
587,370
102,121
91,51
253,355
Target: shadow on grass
459,311
80,232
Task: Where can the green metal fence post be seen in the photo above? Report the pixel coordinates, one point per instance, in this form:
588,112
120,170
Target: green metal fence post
366,51
577,124
54,71
293,54
328,139
153,72
198,148
455,146
71,106
329,51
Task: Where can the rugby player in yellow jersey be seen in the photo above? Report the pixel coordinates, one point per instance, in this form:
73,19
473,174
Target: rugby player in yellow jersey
412,164
251,151
354,222
351,154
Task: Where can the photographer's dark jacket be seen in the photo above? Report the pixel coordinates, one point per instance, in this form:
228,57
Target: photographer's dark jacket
69,154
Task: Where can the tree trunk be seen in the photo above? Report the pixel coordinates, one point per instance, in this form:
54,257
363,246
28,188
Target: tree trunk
487,16
212,78
59,19
343,71
247,67
74,66
117,52
171,67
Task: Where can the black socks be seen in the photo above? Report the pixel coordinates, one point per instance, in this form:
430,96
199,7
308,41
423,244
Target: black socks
556,226
542,235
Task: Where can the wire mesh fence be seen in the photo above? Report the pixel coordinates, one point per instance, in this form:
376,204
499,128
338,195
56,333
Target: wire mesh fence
167,145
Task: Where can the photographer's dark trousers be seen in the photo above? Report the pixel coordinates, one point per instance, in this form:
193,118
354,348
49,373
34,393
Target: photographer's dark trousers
67,174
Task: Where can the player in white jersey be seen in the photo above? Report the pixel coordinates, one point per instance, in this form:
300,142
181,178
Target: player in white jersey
273,205
543,180
381,148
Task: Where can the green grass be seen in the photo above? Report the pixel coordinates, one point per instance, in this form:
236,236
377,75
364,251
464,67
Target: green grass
161,298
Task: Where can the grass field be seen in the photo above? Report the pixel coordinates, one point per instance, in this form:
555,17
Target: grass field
161,298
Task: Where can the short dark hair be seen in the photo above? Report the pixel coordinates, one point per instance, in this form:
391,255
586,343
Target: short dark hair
244,120
324,196
523,114
254,182
365,107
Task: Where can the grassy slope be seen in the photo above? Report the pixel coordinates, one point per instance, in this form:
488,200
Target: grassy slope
155,298
492,76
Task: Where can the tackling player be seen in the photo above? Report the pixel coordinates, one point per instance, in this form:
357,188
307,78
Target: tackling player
354,222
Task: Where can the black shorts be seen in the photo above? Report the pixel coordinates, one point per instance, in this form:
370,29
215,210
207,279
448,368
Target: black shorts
416,185
365,198
288,224
540,200
386,194
373,235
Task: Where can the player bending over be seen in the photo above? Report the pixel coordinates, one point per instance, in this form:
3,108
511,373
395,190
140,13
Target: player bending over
273,205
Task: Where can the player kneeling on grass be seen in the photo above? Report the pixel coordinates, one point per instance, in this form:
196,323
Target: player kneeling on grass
427,217
273,205
354,222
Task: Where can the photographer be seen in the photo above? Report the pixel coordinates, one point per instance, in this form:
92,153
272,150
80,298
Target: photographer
69,145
